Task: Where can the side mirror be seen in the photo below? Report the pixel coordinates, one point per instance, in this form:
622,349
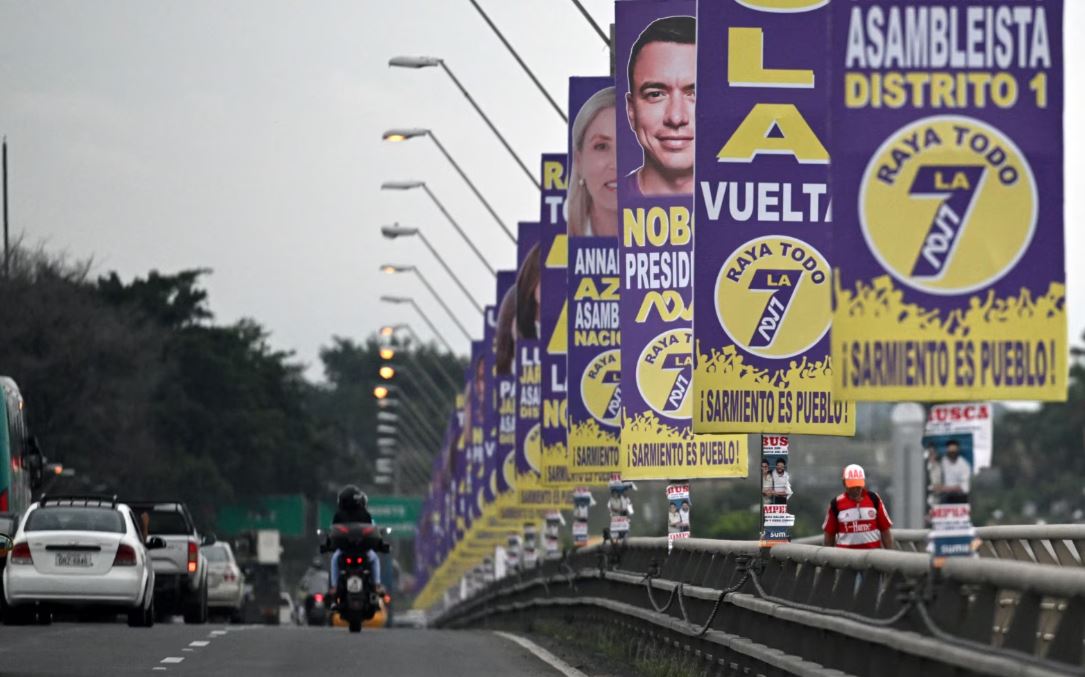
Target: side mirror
386,531
209,539
156,543
5,544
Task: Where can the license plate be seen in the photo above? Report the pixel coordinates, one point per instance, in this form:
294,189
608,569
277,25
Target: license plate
354,584
73,559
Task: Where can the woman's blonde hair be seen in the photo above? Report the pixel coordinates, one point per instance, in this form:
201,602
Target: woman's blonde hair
578,200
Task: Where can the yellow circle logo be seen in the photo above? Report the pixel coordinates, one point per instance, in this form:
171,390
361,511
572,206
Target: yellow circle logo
509,469
948,204
600,387
773,296
533,447
665,372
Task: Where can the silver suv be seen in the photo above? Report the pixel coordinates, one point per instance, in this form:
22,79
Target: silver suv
180,568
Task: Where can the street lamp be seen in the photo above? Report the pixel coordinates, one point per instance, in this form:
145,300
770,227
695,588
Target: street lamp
409,185
410,301
389,330
417,62
396,230
397,135
392,270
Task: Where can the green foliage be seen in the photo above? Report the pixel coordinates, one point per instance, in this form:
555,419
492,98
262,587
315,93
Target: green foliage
735,525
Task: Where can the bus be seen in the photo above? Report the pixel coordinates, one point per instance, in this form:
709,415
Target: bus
21,462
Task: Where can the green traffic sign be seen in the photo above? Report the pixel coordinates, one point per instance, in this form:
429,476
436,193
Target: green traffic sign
284,513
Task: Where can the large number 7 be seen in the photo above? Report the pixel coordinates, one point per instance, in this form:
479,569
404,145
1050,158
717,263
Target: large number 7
782,284
956,186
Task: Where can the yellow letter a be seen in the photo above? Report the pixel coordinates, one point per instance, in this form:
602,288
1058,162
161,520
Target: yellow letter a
795,136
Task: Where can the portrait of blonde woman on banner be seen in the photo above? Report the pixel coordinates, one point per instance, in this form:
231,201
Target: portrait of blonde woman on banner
592,202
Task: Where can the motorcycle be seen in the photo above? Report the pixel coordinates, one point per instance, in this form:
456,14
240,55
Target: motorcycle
356,596
316,612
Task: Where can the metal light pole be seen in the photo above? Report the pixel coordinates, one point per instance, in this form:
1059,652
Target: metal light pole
409,185
7,251
391,270
417,62
410,301
520,61
435,408
429,390
602,35
452,380
395,230
397,135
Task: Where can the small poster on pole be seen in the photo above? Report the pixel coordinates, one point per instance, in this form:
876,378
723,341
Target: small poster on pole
776,521
620,506
582,502
552,535
678,511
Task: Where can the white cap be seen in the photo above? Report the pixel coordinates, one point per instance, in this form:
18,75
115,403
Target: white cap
854,476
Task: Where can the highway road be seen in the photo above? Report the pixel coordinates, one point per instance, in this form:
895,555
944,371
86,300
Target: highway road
260,651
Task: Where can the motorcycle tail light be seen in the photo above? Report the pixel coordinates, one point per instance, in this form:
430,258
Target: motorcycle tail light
318,598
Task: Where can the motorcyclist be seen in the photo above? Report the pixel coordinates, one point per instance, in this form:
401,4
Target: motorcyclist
352,507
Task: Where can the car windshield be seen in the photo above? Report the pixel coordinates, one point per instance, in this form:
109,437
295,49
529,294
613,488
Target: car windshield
75,519
168,523
216,554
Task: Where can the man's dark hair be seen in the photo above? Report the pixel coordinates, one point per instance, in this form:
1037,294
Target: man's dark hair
681,30
953,443
780,460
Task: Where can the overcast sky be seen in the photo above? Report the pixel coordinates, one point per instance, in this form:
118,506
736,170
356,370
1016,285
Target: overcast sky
245,136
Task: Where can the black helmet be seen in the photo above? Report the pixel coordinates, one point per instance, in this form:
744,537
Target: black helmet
352,498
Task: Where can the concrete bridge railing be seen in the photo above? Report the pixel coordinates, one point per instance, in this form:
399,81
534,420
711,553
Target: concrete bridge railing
804,609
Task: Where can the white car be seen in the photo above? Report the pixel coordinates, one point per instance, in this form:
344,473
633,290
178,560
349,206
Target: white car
225,582
74,551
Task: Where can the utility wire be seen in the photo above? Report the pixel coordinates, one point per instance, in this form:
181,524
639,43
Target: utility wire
497,32
606,40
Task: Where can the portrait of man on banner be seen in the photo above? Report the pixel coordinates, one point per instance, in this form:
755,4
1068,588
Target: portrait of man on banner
659,105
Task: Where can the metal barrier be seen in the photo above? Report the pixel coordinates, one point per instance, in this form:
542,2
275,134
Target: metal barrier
801,609
1055,544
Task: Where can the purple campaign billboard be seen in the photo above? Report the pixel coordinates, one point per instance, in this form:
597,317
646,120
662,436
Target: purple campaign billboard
948,177
655,57
491,467
553,313
475,430
527,351
763,234
505,379
591,205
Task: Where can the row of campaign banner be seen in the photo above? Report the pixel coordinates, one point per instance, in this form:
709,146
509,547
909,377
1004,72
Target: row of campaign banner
772,209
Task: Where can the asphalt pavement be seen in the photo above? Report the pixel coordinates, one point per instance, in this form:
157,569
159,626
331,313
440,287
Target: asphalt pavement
240,651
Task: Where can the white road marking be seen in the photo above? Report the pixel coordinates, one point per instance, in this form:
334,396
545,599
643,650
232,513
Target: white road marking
218,633
162,669
187,649
543,655
172,659
201,642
